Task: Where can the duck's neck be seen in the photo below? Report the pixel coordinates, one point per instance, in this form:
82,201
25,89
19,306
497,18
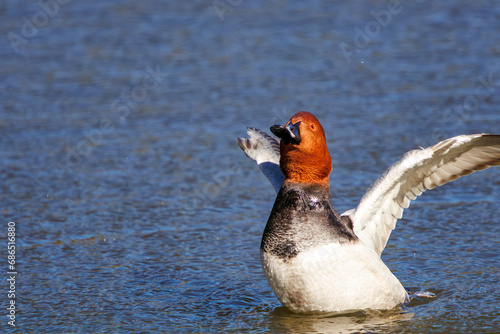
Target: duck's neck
305,168
307,173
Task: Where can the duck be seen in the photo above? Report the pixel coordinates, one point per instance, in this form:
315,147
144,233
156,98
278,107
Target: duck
320,262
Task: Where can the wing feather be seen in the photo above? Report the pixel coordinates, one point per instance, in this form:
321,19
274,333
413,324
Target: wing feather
265,150
419,170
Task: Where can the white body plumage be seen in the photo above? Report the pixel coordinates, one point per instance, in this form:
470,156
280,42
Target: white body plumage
333,278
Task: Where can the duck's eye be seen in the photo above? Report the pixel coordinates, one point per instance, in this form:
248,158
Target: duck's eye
313,127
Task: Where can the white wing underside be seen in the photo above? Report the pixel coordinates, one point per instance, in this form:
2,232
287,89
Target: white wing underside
419,170
384,202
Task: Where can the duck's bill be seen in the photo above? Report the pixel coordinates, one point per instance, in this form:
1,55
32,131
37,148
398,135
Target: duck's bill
290,134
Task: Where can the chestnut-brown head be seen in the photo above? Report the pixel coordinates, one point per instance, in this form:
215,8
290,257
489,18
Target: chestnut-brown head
304,154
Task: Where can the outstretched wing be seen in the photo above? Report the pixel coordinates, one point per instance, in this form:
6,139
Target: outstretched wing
265,150
419,170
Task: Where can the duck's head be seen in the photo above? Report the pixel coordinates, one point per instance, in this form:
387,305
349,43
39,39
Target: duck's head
304,154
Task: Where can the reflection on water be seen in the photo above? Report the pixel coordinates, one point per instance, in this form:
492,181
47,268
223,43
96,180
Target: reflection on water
285,322
135,208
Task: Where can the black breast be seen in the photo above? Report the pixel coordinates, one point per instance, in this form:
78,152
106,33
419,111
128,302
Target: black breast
302,218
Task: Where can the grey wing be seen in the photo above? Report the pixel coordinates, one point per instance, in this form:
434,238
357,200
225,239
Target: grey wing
265,150
378,211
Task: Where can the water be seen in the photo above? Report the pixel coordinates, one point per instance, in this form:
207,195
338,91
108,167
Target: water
136,211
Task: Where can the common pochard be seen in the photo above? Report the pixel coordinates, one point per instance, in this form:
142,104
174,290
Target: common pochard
317,261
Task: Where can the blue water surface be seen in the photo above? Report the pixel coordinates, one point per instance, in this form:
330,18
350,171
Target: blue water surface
136,211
